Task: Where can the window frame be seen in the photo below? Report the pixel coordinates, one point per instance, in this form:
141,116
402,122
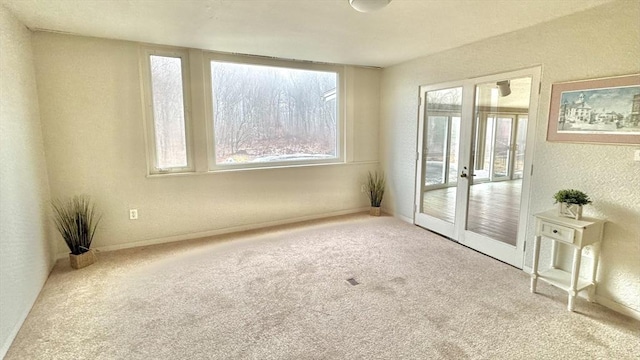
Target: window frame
340,97
150,135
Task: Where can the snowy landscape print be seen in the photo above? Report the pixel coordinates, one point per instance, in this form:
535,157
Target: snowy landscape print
613,110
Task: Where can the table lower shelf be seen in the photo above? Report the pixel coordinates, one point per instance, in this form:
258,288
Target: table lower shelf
562,279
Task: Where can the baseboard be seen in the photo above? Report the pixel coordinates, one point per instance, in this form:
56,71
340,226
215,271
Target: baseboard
401,217
606,302
617,307
14,332
404,218
223,231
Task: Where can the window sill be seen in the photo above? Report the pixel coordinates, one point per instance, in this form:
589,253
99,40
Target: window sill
239,170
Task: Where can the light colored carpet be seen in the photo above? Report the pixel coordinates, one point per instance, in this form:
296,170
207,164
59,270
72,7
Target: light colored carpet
282,293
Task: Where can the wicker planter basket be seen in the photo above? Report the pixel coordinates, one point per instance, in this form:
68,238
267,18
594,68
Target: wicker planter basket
82,260
374,211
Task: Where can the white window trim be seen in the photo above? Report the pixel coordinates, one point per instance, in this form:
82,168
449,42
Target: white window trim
255,60
148,112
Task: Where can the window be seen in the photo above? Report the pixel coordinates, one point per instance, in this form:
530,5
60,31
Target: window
167,120
266,116
248,112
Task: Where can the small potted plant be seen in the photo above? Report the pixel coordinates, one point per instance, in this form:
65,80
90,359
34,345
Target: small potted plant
570,202
375,191
76,219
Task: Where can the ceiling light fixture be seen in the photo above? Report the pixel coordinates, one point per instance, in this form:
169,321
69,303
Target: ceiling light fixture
366,6
504,87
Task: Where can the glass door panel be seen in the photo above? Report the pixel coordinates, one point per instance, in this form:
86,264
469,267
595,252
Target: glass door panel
440,150
494,200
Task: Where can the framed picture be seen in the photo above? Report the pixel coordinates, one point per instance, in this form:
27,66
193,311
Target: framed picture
603,111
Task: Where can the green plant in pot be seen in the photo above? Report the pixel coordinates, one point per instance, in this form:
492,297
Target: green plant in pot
77,221
375,191
570,202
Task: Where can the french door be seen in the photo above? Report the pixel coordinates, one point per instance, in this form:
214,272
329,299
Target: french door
474,144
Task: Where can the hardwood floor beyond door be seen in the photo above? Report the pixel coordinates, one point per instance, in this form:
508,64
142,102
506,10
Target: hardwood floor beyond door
494,208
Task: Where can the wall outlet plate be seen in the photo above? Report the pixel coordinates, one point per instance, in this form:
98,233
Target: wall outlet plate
636,155
133,214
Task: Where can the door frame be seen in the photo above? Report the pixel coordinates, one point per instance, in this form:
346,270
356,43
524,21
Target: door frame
513,255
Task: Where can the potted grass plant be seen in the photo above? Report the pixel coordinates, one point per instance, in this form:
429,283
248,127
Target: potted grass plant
570,202
375,191
77,221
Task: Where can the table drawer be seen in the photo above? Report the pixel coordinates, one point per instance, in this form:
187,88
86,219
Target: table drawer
557,232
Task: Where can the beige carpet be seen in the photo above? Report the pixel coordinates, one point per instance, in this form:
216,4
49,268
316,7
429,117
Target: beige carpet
282,294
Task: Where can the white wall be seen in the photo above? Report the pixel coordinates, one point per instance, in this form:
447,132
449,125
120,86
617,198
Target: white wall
25,259
601,42
91,107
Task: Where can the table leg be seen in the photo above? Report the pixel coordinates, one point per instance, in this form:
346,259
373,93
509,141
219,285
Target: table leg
536,256
554,253
575,273
594,270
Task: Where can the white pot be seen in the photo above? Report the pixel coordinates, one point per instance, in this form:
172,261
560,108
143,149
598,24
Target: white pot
570,210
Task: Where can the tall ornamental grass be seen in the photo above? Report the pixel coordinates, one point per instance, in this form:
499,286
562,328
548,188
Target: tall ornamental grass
375,188
77,221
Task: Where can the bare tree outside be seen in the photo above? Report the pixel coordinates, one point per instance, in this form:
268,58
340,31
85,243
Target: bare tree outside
168,111
264,114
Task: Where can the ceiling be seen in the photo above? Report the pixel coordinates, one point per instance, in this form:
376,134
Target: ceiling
317,30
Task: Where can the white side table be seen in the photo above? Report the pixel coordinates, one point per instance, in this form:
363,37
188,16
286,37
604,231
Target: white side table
577,234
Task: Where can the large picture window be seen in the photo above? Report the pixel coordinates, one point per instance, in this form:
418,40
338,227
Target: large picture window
246,112
272,115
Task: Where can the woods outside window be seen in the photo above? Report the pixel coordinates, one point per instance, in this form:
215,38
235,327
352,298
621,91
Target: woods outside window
272,113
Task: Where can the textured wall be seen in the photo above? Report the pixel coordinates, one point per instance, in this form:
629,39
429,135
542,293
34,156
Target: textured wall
90,101
604,41
25,258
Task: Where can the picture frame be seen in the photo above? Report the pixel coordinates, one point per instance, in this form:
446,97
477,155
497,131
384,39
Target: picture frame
604,111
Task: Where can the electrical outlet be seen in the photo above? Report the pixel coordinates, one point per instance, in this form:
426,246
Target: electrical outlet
133,214
363,188
636,155
587,252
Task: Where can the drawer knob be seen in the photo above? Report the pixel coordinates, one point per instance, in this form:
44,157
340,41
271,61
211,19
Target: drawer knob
555,231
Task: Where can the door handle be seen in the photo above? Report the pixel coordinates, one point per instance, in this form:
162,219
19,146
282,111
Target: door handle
463,175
